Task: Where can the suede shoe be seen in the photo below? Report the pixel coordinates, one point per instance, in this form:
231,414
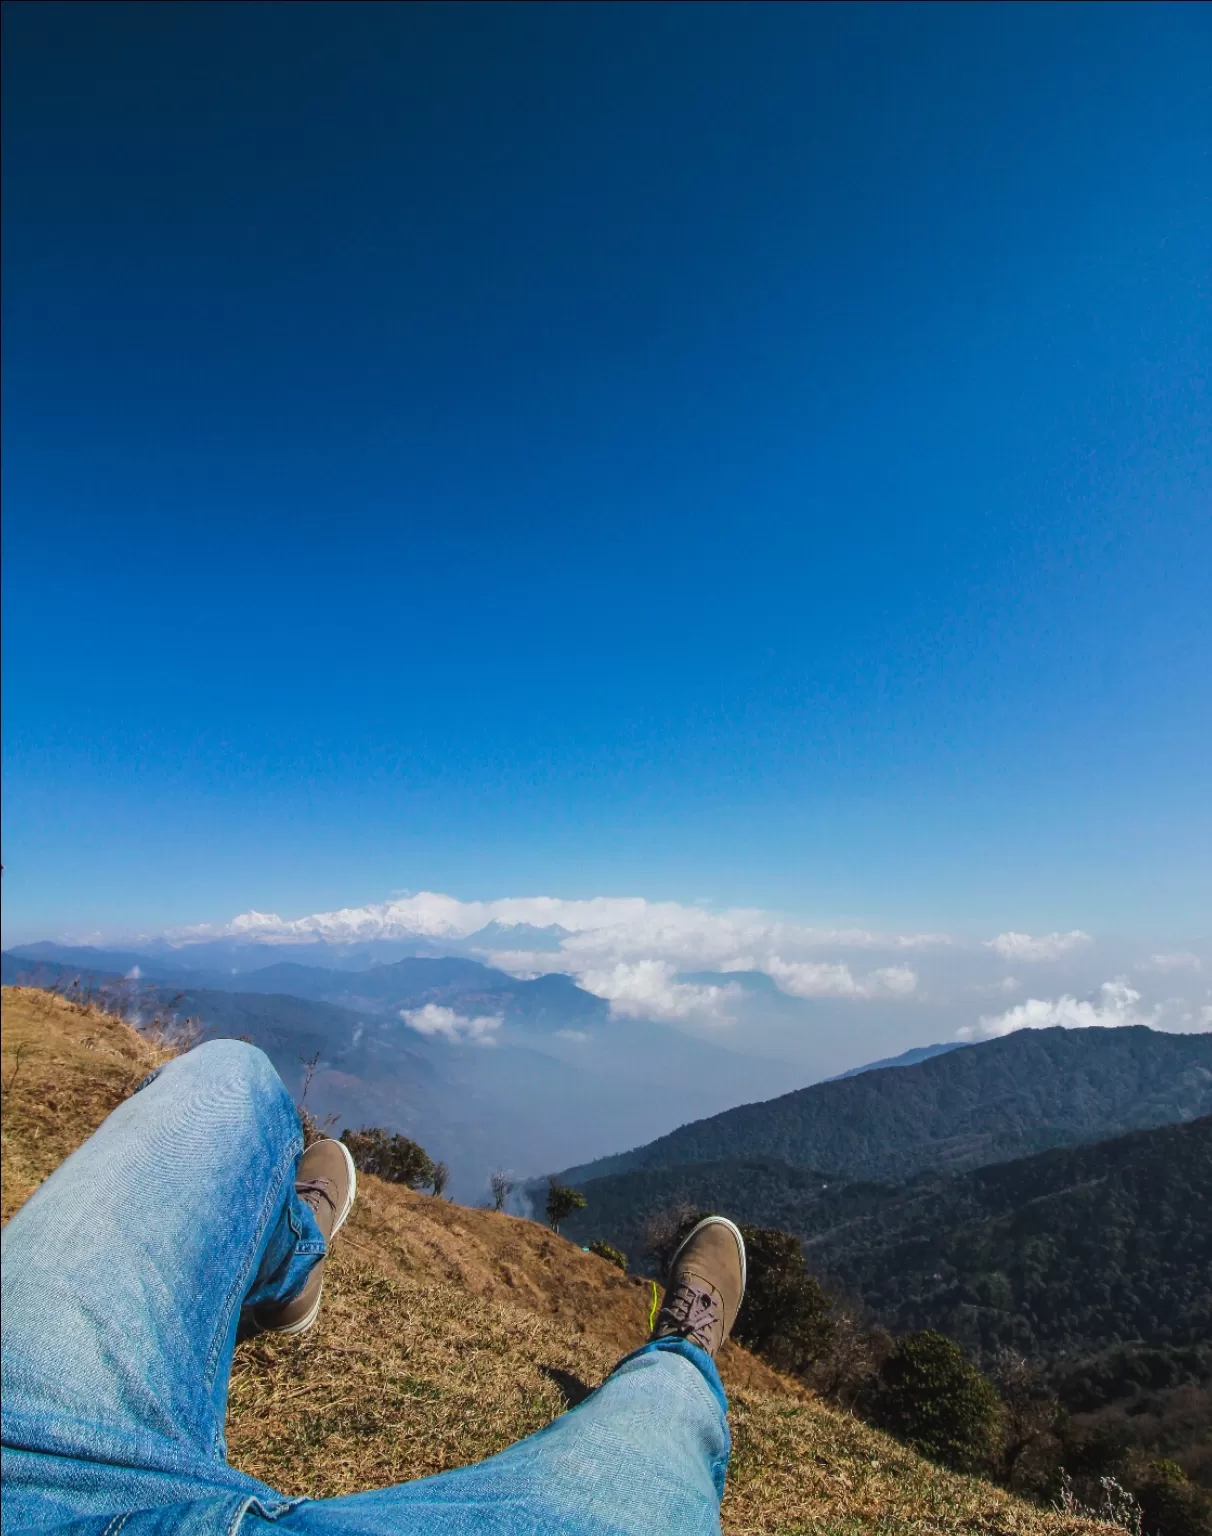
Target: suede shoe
327,1181
706,1286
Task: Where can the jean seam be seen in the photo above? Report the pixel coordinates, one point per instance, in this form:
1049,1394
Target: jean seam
238,1515
239,1288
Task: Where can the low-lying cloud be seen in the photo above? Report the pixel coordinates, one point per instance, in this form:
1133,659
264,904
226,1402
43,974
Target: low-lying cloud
445,1023
1113,1005
1049,946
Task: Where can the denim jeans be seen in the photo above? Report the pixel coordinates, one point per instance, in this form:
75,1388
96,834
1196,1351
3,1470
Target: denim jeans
124,1276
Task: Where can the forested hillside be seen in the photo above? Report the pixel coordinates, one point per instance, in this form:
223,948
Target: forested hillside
1058,1255
989,1103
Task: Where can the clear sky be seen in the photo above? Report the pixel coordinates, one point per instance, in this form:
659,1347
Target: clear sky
747,453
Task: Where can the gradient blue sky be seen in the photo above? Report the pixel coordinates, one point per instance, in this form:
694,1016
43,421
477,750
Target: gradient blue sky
750,453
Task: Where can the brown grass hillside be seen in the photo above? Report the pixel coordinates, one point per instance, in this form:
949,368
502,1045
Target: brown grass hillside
448,1333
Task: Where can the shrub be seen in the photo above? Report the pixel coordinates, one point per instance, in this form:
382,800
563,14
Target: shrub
395,1158
1171,1505
609,1252
785,1316
932,1396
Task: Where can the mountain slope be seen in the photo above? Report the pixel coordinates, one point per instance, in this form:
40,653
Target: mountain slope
447,1333
962,1109
906,1058
1062,1254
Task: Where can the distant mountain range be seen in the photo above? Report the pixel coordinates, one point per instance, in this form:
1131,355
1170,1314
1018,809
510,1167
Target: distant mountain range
905,1059
554,1077
959,1109
231,956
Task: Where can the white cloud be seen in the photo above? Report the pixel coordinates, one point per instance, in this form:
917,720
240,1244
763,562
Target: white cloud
449,1025
808,978
816,979
1113,1005
623,948
618,925
1179,962
1049,946
897,979
647,990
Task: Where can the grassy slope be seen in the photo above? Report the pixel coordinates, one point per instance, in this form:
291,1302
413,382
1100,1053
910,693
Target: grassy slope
447,1333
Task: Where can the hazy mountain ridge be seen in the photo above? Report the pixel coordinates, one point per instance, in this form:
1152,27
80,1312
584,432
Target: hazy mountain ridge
961,1109
556,1077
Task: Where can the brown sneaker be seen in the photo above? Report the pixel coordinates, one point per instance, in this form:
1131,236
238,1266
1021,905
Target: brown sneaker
706,1286
327,1181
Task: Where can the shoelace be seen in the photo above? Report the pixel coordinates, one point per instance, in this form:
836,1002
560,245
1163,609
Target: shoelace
689,1312
312,1191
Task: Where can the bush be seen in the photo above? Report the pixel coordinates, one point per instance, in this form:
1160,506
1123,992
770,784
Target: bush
1172,1506
397,1159
609,1252
931,1396
785,1316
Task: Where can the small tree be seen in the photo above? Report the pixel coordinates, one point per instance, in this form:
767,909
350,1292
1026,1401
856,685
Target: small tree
561,1202
1032,1420
502,1187
610,1253
397,1159
665,1229
932,1396
439,1178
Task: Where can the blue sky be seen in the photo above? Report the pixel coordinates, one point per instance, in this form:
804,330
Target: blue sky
747,454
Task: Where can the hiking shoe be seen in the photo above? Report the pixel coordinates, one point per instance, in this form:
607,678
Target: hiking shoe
706,1286
327,1181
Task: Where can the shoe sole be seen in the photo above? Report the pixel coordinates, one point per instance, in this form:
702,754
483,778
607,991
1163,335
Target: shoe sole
714,1221
307,1322
352,1192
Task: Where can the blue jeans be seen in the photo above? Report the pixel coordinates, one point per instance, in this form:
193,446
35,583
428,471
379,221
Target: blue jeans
123,1280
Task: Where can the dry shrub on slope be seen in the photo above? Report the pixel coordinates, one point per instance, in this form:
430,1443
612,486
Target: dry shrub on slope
448,1333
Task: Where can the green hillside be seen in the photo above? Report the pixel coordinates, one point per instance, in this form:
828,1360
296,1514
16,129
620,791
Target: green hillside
1057,1255
1003,1099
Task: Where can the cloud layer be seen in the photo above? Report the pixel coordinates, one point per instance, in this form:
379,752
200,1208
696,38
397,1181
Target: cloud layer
687,964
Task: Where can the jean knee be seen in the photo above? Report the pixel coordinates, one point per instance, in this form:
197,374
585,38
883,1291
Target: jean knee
240,1066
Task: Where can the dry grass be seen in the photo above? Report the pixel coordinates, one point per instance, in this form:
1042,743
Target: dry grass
448,1333
63,1067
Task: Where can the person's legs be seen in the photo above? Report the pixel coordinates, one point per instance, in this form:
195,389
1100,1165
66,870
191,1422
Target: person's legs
645,1454
123,1280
